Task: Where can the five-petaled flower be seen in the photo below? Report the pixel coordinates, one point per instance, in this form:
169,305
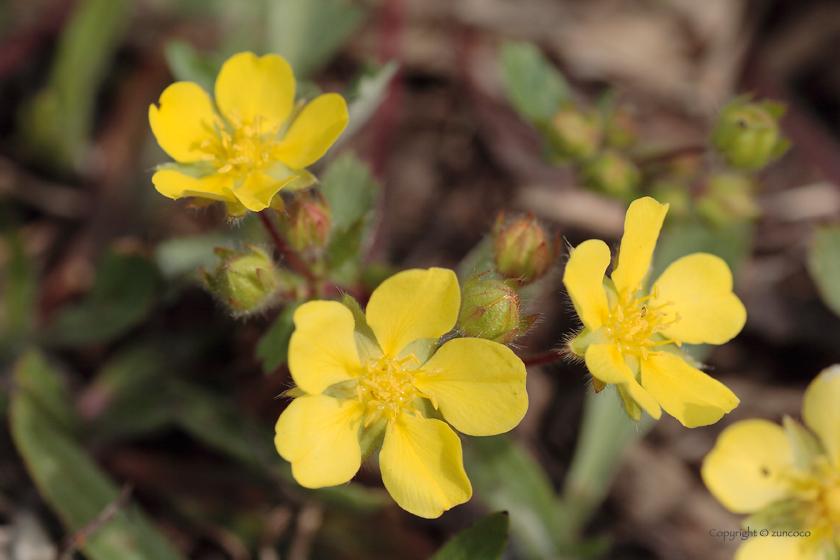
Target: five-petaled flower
377,379
788,477
253,141
631,335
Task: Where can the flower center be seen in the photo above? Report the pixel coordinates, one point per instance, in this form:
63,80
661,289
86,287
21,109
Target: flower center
633,321
387,388
244,152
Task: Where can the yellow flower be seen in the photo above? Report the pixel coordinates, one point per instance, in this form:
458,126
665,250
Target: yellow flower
631,335
375,380
251,142
788,475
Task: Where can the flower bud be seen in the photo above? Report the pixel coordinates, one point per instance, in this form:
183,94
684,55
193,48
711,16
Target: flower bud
244,281
522,250
611,173
621,130
728,199
308,222
490,309
574,134
748,133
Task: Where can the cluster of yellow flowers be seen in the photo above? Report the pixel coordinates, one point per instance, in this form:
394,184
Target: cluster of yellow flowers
385,377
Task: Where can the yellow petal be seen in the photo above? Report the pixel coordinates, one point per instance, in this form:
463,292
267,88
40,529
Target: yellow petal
641,230
583,280
743,469
700,288
413,304
319,436
250,88
606,363
256,192
184,120
177,185
779,548
313,131
322,350
479,386
686,393
422,466
821,412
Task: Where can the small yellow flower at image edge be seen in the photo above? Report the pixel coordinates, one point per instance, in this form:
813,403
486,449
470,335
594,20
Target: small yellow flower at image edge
632,335
787,476
380,377
248,142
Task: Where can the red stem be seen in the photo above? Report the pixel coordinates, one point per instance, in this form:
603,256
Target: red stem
290,256
544,358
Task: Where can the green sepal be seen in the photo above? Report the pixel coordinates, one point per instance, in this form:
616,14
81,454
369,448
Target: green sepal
632,408
197,170
785,515
805,446
371,437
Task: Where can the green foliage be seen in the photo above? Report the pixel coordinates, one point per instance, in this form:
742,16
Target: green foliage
824,265
369,95
506,477
307,33
484,540
59,120
18,292
273,348
534,86
189,65
124,291
68,478
732,243
349,188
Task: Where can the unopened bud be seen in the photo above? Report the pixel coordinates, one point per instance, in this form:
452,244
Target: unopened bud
728,199
244,281
611,173
490,309
621,130
574,134
308,222
522,250
748,133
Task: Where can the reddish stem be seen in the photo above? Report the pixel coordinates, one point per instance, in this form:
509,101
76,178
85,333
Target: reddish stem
544,358
290,256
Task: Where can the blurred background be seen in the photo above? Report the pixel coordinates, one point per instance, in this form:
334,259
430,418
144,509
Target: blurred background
139,377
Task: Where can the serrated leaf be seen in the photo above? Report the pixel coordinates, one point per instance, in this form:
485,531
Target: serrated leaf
307,33
73,485
484,540
185,255
124,291
534,86
345,245
273,347
824,265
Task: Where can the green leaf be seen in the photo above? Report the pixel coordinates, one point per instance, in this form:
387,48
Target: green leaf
185,255
35,376
18,292
350,190
731,243
484,540
824,265
307,33
370,93
188,65
505,477
72,484
534,86
59,120
273,347
124,292
345,245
